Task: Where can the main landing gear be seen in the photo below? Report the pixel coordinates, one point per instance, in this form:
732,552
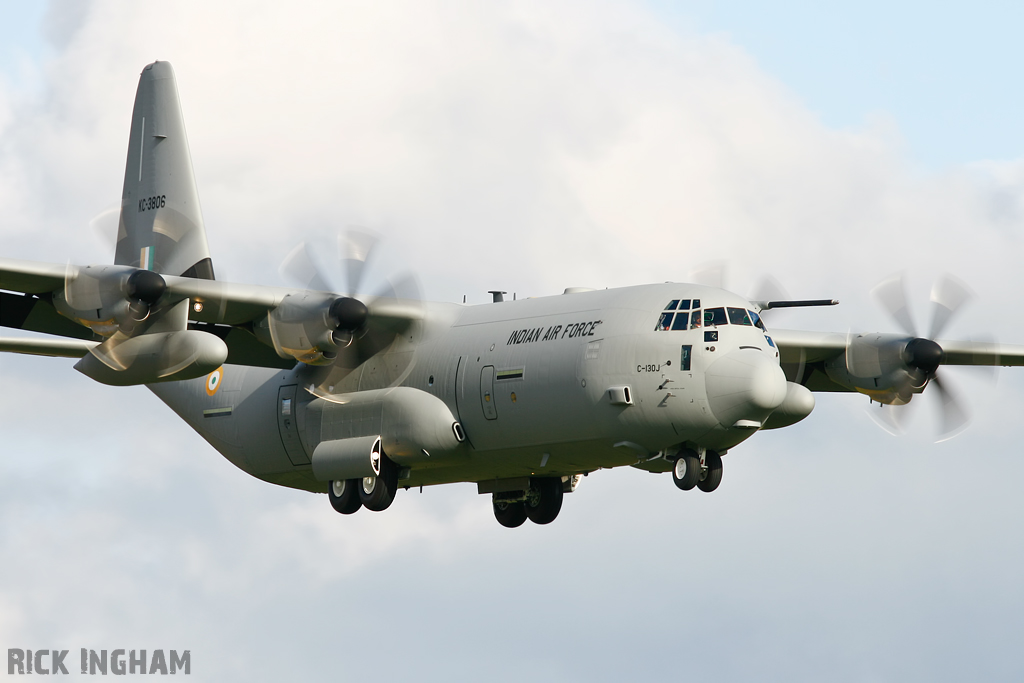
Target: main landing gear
373,493
540,504
689,471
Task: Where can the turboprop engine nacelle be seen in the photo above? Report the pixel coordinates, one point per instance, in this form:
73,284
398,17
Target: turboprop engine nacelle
889,368
311,326
412,427
109,298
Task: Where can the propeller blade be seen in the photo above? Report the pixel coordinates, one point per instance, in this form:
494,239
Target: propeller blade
892,295
954,416
769,288
948,296
107,352
298,266
105,225
891,418
355,248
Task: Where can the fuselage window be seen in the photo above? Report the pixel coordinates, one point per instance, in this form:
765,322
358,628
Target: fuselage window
664,322
682,321
672,305
757,321
714,317
738,316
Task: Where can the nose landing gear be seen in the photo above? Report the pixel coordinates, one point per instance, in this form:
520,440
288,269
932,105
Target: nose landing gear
692,470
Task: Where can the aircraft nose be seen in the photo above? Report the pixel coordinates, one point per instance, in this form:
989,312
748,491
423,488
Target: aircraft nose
744,386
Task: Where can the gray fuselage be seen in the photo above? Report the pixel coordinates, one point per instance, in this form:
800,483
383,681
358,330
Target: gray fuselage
548,386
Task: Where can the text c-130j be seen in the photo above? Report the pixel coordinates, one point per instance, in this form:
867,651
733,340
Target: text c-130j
358,397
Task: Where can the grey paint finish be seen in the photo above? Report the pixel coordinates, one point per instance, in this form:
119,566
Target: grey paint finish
160,203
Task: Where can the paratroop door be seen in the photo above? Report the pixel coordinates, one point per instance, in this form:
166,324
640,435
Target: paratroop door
487,392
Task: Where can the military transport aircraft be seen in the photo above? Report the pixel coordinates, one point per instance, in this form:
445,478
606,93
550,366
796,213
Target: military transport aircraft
358,397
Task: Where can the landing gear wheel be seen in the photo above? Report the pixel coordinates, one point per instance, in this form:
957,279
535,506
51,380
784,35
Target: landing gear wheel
377,493
509,514
687,470
544,499
711,477
344,495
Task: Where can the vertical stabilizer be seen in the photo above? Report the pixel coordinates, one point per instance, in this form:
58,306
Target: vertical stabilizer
161,226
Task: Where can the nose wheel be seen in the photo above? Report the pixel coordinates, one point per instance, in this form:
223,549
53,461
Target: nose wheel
690,472
711,473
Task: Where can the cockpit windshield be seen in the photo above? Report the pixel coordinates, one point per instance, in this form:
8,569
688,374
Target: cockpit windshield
715,316
757,321
739,316
676,316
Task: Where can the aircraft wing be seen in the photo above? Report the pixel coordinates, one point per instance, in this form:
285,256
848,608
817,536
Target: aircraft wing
227,310
803,355
43,346
31,277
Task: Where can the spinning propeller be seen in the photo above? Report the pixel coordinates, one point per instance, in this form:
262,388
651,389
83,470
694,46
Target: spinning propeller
113,301
923,355
337,334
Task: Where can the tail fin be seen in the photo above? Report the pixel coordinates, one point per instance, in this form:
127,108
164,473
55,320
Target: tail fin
161,225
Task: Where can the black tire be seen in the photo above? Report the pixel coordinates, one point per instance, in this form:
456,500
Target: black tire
377,493
712,475
344,495
544,500
510,515
687,470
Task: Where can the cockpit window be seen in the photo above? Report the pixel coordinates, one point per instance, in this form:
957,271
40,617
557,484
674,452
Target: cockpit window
738,316
682,321
757,321
696,303
684,305
695,320
715,316
664,322
672,305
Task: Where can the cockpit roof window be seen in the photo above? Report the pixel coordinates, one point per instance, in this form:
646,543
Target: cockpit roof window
672,305
684,304
715,316
738,316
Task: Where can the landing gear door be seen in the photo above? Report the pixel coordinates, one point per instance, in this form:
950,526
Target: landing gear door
288,426
487,392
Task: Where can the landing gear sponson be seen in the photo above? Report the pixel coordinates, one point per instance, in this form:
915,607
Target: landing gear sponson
689,471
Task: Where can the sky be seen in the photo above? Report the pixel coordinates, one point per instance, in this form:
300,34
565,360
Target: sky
529,147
